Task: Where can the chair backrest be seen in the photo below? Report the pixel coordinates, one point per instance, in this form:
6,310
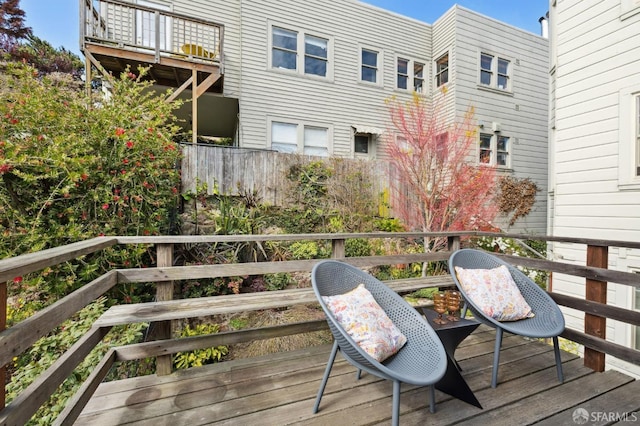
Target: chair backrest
330,278
535,296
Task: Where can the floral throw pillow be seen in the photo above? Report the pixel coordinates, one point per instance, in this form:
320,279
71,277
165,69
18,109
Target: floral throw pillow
495,292
365,321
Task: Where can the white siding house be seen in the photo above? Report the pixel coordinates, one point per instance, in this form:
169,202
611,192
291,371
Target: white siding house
312,77
594,183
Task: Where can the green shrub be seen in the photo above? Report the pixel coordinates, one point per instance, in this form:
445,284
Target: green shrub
74,166
277,281
48,349
200,357
356,247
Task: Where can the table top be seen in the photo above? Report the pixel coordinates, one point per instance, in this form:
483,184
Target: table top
462,322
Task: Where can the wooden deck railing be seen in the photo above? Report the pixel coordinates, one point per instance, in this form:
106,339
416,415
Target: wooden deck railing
20,337
145,29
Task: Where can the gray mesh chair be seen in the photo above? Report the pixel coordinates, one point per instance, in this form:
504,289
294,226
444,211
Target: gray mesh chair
547,322
421,361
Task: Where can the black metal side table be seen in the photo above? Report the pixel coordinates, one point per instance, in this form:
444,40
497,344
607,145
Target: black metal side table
452,334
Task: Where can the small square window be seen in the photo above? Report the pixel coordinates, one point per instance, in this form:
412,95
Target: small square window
361,144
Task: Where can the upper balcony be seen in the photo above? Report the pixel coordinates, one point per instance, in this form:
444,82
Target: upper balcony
116,34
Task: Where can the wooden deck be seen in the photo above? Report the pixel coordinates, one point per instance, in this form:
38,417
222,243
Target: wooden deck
280,389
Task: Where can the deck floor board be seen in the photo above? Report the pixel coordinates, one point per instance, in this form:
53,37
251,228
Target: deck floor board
280,389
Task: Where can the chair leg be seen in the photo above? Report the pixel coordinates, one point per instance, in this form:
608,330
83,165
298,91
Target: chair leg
358,374
556,349
432,399
395,414
465,307
327,371
496,358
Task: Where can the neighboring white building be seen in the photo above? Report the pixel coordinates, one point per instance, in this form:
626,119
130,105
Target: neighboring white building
594,169
311,77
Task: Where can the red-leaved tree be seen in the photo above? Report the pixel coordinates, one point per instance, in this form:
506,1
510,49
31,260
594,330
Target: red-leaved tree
437,184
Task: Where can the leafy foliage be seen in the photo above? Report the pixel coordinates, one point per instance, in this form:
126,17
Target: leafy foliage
438,189
74,166
48,349
44,57
200,357
12,20
517,197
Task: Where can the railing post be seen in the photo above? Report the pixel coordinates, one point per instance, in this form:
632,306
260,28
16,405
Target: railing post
453,242
337,249
164,291
597,256
157,24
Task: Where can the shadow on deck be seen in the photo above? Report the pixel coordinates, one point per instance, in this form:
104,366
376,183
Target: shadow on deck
281,388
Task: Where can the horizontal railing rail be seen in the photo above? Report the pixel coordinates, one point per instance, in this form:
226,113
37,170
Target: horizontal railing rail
21,336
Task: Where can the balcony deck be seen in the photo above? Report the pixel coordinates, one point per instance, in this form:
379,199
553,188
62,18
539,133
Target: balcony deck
280,389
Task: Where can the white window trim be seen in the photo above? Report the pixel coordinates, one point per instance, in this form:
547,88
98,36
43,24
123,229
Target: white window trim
410,73
494,72
494,150
446,53
380,66
372,148
628,150
300,131
300,53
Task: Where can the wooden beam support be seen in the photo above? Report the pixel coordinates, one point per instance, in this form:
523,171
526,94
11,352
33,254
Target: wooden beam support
208,82
596,291
179,90
194,106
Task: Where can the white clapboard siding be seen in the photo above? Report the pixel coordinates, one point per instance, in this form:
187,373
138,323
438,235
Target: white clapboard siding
597,47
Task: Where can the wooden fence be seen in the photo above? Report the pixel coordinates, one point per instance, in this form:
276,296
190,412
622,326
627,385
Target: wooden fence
234,171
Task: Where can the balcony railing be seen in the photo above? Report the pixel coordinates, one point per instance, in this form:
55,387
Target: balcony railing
147,30
21,336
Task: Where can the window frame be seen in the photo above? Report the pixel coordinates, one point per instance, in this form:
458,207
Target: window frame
629,136
495,73
411,76
301,127
378,67
301,52
438,73
493,150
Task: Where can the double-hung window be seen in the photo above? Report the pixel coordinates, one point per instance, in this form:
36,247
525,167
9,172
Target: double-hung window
369,65
494,149
403,73
408,70
418,77
284,49
315,55
442,70
299,138
495,72
297,51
